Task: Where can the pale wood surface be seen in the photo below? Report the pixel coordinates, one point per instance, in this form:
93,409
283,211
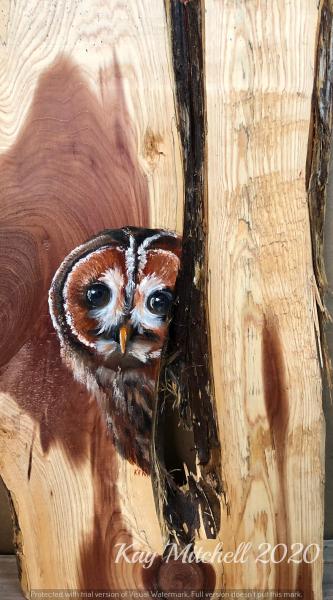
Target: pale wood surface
96,35
262,294
259,62
10,587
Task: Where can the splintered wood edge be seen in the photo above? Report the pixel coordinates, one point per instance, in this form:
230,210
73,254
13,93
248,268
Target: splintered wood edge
318,160
317,176
190,344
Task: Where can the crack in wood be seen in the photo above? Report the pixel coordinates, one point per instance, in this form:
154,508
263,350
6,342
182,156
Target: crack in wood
318,160
186,434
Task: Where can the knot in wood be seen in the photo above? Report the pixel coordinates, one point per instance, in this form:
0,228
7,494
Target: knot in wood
176,575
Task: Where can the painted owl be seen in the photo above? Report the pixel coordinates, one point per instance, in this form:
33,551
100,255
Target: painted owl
110,303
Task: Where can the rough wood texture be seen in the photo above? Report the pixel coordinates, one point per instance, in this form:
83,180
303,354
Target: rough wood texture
87,143
262,290
9,583
193,484
91,96
319,152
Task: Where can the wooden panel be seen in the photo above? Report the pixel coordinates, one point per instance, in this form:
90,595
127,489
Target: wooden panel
88,141
95,38
9,584
262,294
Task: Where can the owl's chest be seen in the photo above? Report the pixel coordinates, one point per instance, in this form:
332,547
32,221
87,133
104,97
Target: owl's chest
128,400
129,393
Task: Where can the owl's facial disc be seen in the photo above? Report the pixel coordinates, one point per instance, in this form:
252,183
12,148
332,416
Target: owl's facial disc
140,335
159,304
117,303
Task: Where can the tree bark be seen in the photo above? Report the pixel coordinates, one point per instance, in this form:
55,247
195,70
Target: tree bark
211,119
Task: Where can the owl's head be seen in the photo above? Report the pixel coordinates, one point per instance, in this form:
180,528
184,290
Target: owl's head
111,297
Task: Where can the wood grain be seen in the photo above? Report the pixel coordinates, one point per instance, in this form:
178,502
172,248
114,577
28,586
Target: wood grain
88,142
262,290
9,583
92,98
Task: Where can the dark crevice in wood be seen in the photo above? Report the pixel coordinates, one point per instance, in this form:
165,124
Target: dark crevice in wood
186,425
318,161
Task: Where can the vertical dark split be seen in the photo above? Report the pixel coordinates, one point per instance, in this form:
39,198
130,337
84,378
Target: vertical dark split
318,160
318,163
186,423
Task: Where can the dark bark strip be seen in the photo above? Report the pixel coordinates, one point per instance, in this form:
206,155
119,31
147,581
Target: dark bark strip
318,160
186,420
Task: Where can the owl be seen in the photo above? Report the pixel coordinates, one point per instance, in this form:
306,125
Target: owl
110,302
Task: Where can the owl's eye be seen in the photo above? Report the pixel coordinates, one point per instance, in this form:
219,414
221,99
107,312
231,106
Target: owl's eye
159,303
97,295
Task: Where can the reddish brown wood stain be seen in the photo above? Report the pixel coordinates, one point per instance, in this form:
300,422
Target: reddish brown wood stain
72,172
179,576
276,400
98,567
277,406
304,581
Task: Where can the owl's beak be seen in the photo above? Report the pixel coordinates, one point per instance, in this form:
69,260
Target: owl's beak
124,335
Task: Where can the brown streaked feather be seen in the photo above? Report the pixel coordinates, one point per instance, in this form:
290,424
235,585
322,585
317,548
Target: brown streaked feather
123,382
131,426
164,264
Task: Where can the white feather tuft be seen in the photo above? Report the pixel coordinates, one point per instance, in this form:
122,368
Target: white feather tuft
140,315
108,316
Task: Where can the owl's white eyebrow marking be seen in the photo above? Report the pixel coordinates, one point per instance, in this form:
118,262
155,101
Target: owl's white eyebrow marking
140,314
142,250
130,266
108,316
